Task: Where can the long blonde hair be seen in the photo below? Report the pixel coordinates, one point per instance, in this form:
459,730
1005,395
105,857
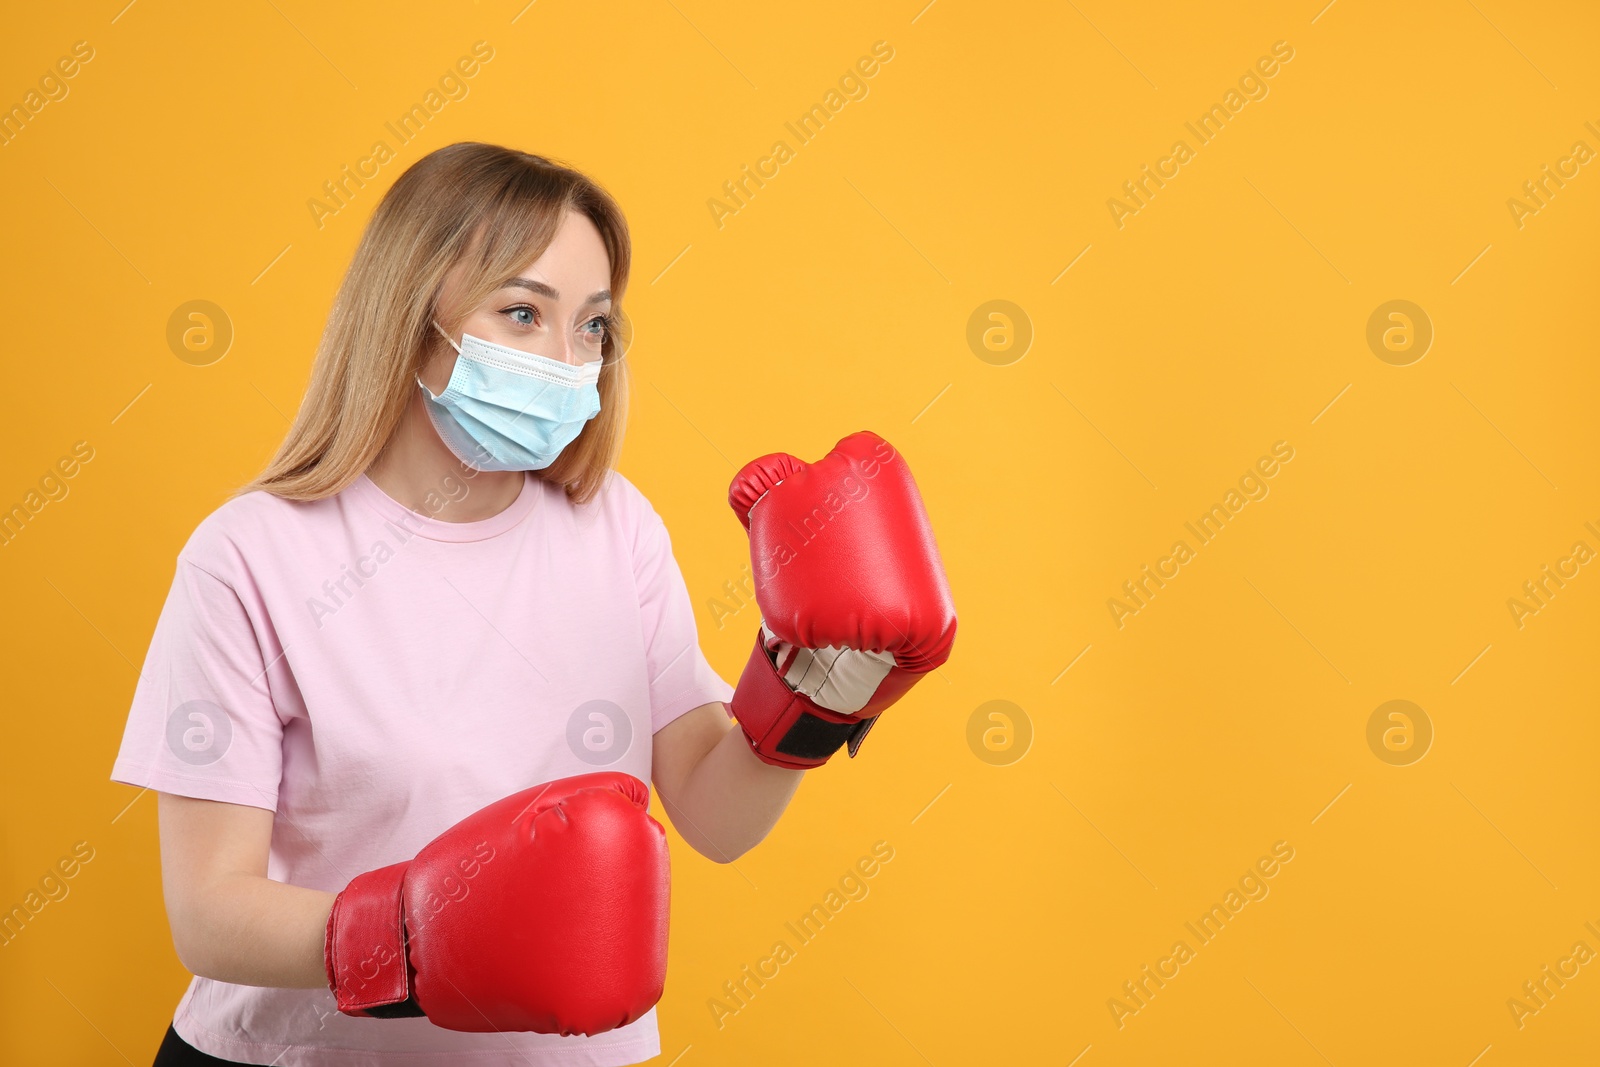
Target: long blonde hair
492,209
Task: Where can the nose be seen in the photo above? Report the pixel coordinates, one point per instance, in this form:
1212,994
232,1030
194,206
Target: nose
568,350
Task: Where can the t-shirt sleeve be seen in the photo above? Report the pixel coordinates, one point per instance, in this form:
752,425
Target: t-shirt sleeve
681,679
203,723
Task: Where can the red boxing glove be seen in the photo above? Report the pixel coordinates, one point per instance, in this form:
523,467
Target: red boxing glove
855,604
545,911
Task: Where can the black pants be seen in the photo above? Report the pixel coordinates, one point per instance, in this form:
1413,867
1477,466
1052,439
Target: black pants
176,1052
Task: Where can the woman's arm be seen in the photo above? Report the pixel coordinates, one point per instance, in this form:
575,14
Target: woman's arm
230,922
719,796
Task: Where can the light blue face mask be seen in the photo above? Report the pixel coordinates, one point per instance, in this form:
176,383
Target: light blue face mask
508,410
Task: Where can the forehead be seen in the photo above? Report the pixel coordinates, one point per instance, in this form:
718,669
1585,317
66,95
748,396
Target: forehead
576,253
573,267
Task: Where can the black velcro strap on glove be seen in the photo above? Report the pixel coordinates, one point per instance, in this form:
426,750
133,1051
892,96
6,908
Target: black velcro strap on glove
814,738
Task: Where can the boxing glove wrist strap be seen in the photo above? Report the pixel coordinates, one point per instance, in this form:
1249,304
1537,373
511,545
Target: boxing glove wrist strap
364,950
786,728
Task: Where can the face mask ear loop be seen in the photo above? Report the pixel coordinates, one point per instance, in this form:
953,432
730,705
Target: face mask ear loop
446,336
451,343
418,375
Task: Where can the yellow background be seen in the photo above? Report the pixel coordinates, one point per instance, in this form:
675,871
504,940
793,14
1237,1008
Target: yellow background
1226,315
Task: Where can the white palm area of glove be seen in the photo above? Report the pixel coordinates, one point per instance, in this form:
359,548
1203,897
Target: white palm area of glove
839,679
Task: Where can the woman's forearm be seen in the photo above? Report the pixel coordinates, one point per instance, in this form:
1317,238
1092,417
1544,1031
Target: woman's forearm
731,799
251,930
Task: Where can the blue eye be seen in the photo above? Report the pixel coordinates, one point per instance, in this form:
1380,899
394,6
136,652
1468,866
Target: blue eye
530,310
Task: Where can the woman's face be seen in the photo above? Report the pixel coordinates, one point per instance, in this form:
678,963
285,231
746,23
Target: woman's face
558,306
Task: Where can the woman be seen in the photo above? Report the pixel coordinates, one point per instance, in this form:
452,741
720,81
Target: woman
439,593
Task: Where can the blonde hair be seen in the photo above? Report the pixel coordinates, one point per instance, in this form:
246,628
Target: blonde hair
491,209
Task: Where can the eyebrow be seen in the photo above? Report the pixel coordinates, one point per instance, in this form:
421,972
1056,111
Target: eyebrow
596,297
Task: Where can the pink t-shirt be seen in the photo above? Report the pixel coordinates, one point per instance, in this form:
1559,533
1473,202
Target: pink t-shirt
373,675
